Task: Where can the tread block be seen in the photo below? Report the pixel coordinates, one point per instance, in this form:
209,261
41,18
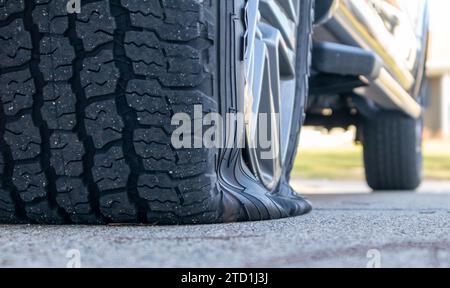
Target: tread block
57,56
30,181
66,154
110,170
150,144
24,138
100,75
18,89
150,188
181,21
16,44
73,197
9,7
103,123
51,16
118,208
147,99
95,25
173,65
59,106
43,213
145,7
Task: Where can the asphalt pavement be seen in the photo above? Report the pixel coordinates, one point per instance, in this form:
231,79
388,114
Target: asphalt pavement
348,228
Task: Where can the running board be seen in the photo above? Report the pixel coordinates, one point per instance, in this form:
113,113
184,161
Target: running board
343,60
332,58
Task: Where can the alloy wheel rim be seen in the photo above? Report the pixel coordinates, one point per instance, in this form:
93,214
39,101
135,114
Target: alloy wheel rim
270,67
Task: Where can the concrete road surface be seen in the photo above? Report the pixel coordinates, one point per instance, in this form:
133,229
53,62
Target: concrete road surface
345,230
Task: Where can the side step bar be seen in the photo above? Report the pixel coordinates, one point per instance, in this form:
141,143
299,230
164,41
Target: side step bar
345,60
338,59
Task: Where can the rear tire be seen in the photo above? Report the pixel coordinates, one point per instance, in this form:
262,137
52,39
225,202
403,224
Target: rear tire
393,152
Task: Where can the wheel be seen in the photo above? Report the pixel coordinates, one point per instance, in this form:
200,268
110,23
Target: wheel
88,104
393,152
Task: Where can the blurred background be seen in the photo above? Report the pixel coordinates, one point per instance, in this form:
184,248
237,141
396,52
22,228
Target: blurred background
332,155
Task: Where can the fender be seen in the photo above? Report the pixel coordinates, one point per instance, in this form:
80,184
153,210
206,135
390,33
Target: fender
324,10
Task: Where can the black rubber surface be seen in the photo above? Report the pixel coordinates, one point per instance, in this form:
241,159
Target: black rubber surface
392,152
244,198
86,107
303,67
87,102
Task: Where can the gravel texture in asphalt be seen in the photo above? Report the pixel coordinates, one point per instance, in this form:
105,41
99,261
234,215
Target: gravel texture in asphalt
344,230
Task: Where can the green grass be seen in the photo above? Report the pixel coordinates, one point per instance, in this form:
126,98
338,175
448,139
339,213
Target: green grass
347,164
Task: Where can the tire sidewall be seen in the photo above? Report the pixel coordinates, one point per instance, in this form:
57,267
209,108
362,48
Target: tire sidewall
303,64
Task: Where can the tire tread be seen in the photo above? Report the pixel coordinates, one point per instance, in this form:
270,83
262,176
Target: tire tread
86,112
